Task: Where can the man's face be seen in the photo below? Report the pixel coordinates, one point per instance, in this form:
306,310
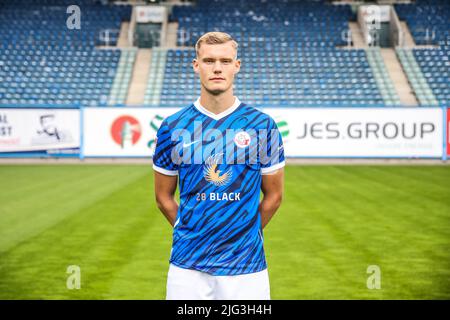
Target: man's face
216,66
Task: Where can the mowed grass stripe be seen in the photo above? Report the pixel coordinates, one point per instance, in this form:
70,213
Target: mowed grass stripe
347,216
327,238
405,214
421,181
334,222
48,195
100,239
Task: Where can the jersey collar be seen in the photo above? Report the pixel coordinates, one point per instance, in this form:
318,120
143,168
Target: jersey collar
217,116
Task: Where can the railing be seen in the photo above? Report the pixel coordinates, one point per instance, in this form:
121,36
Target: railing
396,33
131,29
108,37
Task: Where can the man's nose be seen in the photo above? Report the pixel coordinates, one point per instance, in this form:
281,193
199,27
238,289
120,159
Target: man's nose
217,67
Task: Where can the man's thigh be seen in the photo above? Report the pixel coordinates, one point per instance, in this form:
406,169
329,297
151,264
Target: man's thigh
186,284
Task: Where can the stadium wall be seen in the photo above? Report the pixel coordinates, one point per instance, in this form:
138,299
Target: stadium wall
130,132
40,132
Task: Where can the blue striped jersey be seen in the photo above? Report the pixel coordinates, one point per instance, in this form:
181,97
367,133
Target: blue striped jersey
219,160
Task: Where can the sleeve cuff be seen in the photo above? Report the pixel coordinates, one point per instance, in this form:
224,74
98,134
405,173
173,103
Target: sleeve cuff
272,168
164,171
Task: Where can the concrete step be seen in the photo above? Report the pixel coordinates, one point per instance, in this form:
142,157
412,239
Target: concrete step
123,42
171,39
399,79
408,40
357,36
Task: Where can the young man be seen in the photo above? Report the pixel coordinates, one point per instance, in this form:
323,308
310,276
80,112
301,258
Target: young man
224,153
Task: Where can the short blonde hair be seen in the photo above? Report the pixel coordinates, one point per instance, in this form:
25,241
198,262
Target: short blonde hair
215,38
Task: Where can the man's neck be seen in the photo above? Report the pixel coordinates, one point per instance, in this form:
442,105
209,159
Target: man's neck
217,104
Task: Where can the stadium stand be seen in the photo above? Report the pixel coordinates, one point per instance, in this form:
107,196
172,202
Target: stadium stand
416,78
121,82
155,83
290,53
435,67
428,68
294,54
428,20
382,78
309,23
43,62
327,77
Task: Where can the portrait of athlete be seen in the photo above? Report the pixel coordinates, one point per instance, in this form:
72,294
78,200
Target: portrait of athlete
222,153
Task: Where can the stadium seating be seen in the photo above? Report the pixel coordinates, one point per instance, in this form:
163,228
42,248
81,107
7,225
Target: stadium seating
325,77
428,68
382,78
435,67
289,52
428,20
416,78
155,81
292,54
311,23
119,90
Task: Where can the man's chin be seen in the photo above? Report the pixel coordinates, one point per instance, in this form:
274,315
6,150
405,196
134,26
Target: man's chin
215,91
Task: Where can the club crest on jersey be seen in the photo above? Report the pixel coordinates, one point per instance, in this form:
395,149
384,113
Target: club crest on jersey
242,139
213,175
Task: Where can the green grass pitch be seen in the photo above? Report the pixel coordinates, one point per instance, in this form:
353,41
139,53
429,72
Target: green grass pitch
335,221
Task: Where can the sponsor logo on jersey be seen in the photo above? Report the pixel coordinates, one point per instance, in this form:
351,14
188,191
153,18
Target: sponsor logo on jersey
213,174
242,139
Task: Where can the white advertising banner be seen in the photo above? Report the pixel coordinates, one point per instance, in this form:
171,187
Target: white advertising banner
146,14
375,13
361,132
122,132
307,132
39,129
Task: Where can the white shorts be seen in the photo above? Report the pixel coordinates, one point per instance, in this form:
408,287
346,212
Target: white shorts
188,284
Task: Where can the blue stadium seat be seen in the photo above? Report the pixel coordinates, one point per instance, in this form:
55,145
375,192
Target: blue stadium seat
44,62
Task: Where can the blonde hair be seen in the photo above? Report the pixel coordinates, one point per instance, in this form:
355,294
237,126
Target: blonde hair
215,38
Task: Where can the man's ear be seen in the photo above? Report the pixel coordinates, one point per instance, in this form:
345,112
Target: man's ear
195,65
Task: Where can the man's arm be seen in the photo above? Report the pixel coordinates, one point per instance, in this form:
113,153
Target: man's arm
272,187
165,187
